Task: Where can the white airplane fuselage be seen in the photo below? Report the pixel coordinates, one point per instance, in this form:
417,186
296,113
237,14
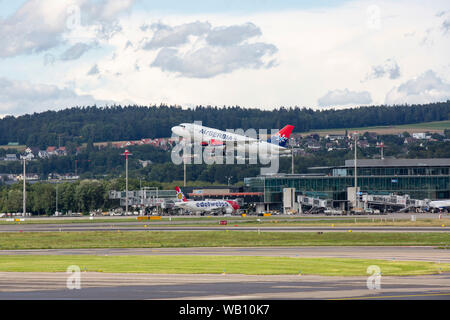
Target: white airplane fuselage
201,134
440,204
226,206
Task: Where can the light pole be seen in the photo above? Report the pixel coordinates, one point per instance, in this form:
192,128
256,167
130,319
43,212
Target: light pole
185,157
356,173
184,171
76,165
56,199
126,154
292,156
142,195
381,146
24,188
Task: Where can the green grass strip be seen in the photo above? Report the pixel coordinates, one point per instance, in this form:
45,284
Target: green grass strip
217,264
161,239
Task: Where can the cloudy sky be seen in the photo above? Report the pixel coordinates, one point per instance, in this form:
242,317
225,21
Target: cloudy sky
56,54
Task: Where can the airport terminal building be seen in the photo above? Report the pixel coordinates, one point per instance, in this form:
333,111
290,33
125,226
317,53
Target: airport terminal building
418,178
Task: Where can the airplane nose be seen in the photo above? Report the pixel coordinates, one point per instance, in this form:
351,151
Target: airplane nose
179,131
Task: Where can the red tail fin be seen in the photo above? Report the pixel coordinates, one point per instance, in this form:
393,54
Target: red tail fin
180,194
286,131
282,136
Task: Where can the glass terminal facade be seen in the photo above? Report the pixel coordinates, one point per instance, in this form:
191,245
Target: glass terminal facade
419,178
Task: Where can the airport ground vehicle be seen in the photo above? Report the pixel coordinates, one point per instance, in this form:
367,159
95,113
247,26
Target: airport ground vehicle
334,212
372,211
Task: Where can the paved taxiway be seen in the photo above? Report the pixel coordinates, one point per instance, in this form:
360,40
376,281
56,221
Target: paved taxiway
98,286
414,253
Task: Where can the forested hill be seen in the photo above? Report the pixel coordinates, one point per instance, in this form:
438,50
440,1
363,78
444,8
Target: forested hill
114,123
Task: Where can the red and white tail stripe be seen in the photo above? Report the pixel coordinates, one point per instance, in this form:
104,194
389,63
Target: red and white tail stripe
180,195
233,204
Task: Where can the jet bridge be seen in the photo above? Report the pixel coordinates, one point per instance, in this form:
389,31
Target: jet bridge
315,205
396,202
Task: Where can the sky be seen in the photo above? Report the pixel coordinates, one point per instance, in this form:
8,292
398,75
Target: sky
255,53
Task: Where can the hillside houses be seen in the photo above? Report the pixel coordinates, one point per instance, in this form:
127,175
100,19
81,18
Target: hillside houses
363,144
160,143
10,157
34,154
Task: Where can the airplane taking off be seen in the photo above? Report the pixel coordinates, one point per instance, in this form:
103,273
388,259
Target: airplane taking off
219,139
211,206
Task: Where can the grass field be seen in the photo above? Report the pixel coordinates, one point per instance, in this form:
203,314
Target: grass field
19,147
161,239
217,264
436,126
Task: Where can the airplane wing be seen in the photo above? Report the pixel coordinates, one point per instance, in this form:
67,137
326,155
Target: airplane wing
217,210
220,142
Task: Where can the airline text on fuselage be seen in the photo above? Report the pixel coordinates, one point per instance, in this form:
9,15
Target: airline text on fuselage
216,134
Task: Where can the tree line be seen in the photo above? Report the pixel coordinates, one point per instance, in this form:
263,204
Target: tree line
96,124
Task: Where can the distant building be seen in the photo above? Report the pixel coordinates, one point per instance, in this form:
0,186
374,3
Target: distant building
418,178
43,154
61,151
57,176
333,137
11,157
363,144
28,156
51,151
31,176
419,135
145,163
313,146
409,140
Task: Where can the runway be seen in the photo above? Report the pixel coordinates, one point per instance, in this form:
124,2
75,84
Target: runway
103,286
414,253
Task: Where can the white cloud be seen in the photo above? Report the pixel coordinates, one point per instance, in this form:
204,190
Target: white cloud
314,51
197,50
40,25
389,68
18,97
344,98
428,87
232,35
94,70
25,31
209,61
167,36
75,51
446,25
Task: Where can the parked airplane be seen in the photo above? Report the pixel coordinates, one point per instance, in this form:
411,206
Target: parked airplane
206,136
211,206
439,205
